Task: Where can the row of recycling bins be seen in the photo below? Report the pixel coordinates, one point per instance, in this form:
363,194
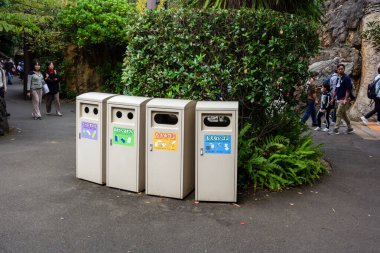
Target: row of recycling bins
166,146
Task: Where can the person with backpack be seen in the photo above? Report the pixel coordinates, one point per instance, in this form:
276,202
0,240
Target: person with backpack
376,97
333,82
311,101
342,97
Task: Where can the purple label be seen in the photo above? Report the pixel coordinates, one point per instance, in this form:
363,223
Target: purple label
89,130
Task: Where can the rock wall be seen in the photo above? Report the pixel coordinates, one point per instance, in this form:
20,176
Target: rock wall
80,74
341,41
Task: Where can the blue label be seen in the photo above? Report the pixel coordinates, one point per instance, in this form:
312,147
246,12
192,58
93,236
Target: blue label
217,144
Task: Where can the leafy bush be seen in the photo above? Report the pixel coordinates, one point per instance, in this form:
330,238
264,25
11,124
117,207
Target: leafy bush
92,22
254,57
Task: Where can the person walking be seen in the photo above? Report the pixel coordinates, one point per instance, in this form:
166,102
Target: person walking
333,82
3,89
10,70
34,89
324,108
377,101
52,79
311,101
342,96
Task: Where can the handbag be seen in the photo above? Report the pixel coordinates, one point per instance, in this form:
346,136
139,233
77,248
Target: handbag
45,89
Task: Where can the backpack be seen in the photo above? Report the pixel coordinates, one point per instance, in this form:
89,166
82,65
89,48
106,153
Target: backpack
371,90
326,81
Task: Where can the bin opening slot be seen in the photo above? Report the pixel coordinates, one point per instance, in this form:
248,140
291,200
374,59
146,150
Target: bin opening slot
90,111
216,120
122,115
165,118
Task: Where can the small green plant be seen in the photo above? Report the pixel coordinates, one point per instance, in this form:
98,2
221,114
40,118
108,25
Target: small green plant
277,163
372,34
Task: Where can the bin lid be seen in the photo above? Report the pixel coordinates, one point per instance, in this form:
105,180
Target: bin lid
95,96
128,100
169,103
217,105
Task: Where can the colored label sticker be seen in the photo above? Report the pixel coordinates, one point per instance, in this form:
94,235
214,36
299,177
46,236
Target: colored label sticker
89,131
165,141
217,144
124,136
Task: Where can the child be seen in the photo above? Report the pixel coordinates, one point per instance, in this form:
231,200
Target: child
325,107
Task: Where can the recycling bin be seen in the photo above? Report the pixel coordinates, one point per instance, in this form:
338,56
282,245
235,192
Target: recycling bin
91,120
126,147
216,151
170,147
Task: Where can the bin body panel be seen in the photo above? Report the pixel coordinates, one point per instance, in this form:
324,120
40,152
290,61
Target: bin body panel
123,162
216,156
164,152
89,159
91,136
126,142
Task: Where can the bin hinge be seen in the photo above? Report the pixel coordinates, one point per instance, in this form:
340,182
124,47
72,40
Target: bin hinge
201,151
110,142
151,147
79,135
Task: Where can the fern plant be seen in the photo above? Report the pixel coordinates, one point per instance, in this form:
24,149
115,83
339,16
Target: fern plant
277,163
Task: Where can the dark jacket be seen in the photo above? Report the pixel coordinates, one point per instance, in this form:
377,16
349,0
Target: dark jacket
52,81
344,84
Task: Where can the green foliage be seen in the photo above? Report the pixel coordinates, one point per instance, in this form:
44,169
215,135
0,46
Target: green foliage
373,34
278,163
25,16
32,23
92,22
307,8
112,77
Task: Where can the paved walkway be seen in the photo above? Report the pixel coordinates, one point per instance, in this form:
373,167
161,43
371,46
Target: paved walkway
44,208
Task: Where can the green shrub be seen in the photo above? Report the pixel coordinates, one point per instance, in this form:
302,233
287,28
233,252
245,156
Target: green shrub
254,57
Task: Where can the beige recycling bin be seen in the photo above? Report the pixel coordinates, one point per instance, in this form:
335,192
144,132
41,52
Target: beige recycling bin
126,142
170,147
91,110
216,151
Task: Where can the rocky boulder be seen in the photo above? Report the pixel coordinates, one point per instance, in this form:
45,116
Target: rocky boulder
341,40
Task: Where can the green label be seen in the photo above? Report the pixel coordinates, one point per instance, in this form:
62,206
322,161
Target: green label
124,136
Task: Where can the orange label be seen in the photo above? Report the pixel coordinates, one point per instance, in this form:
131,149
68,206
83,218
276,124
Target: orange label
165,141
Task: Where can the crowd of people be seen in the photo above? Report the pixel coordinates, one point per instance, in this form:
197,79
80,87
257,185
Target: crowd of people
333,101
39,85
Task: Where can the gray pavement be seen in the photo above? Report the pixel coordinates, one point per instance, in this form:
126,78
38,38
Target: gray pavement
44,208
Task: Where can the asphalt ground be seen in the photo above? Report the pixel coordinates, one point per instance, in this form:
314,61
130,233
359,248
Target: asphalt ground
45,208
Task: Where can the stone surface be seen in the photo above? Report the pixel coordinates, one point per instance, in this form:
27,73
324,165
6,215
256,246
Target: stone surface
345,20
370,61
83,76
